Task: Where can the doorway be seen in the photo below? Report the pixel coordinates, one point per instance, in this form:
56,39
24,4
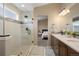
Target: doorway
42,30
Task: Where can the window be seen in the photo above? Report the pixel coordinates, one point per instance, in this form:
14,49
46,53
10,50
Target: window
76,26
1,9
8,13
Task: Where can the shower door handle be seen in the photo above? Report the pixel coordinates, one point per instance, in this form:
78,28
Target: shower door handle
4,35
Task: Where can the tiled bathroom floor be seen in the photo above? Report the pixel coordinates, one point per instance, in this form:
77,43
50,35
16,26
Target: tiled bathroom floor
35,51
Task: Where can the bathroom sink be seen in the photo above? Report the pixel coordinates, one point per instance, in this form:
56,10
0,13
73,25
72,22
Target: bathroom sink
70,38
73,40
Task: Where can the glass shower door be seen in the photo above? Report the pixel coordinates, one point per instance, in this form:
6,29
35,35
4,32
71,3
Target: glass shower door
20,37
13,28
14,34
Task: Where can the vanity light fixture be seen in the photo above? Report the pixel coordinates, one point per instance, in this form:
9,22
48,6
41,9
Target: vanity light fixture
64,12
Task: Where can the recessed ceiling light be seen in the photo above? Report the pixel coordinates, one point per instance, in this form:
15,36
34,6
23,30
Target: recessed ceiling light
22,5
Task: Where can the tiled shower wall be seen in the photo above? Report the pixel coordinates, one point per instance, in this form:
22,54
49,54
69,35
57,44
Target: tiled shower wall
26,38
13,43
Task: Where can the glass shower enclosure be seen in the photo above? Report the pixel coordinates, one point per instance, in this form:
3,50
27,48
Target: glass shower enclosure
14,32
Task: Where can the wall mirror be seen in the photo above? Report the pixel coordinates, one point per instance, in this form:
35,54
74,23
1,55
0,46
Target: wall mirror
76,24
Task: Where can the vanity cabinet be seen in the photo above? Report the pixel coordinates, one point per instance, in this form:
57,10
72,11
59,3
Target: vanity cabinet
61,49
71,52
52,42
56,46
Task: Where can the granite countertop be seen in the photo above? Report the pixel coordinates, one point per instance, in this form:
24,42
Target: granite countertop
69,41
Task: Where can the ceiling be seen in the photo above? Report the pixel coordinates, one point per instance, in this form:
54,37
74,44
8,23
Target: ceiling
68,5
28,6
31,6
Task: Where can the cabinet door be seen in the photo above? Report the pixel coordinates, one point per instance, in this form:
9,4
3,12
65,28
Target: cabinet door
52,42
71,52
56,46
62,49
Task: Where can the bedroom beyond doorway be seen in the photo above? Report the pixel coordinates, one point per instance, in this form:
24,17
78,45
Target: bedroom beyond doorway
42,30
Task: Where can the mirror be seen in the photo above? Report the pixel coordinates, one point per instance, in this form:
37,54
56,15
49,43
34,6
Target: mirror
76,24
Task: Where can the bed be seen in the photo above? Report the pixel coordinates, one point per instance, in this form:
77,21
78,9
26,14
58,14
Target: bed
44,34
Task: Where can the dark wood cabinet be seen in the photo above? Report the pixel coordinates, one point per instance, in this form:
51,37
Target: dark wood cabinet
52,42
71,52
56,46
61,49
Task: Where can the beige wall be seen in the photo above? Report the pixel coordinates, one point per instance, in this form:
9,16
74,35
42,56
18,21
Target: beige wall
42,24
52,11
